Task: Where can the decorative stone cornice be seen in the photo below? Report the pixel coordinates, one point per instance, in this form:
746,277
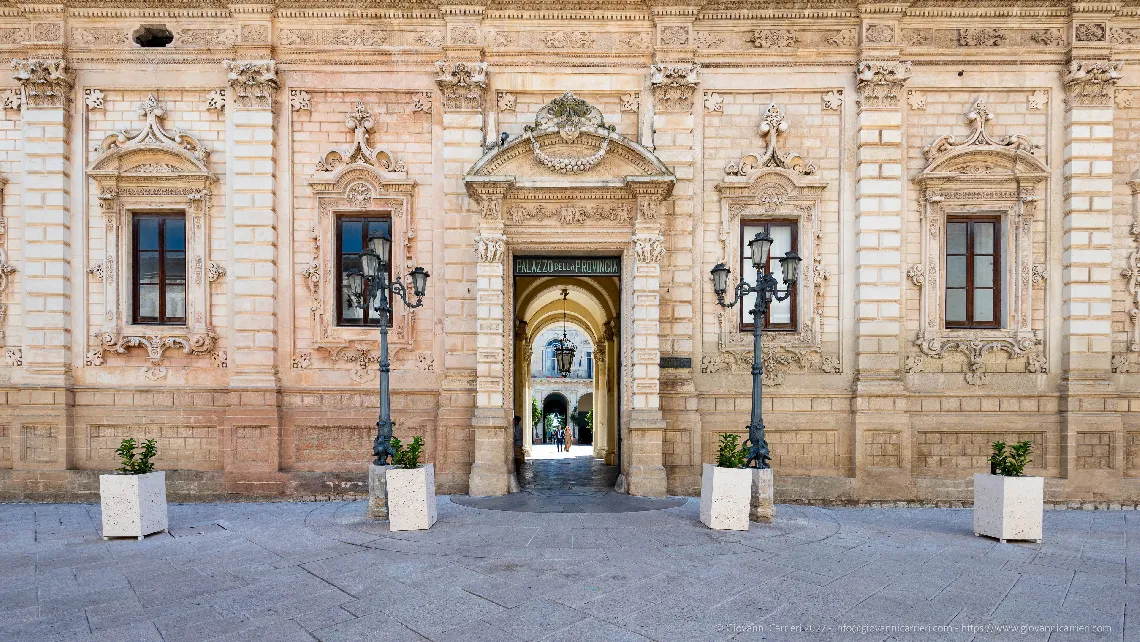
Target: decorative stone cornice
360,121
44,83
153,133
674,86
1090,83
464,84
880,82
254,82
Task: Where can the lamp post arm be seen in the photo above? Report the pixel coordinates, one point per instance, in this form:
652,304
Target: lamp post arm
399,289
741,290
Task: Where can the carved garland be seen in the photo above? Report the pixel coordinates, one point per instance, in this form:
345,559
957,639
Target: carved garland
569,116
6,269
979,175
147,170
1127,362
357,178
775,184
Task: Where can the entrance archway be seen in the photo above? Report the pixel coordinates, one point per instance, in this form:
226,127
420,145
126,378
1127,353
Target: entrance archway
588,315
571,186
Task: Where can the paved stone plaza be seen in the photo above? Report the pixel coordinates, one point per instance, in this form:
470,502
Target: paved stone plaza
291,572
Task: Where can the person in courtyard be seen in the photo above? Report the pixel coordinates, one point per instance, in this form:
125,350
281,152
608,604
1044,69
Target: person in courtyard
559,439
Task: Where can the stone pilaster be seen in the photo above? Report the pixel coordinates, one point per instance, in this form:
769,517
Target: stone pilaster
1086,294
46,270
1086,256
644,449
253,418
491,470
878,253
878,220
40,439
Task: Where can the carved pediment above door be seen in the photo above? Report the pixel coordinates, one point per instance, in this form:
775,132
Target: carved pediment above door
570,170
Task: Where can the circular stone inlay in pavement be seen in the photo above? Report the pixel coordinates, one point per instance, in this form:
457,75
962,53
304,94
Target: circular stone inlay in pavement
530,502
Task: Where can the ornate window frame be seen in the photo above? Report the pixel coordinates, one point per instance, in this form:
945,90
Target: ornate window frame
980,175
775,185
147,171
358,179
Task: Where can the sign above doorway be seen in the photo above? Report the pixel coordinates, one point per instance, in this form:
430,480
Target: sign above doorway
567,266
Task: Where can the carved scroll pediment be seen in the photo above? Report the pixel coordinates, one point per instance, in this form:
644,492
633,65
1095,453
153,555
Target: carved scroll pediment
360,152
772,125
982,155
569,137
152,149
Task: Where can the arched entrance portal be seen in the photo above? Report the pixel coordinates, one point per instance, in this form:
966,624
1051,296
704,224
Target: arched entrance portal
571,192
588,316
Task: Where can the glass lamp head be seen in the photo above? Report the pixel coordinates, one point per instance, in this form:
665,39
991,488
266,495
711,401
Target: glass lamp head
761,248
356,284
419,281
790,264
720,279
381,245
370,262
564,355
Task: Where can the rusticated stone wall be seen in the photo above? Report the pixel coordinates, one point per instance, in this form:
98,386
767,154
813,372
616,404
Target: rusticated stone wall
880,120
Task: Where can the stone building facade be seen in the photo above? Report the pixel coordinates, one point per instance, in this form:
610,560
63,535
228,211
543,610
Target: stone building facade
874,135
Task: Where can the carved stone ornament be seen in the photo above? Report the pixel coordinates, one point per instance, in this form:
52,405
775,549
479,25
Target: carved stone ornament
299,100
6,269
141,171
463,84
986,176
769,190
714,102
254,82
421,102
771,126
648,248
358,177
879,33
214,272
773,38
44,83
881,81
779,361
1038,99
1091,83
1132,272
569,116
13,357
674,86
360,122
978,115
833,100
489,248
630,102
93,98
216,100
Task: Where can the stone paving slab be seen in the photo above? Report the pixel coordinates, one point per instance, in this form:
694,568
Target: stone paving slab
298,572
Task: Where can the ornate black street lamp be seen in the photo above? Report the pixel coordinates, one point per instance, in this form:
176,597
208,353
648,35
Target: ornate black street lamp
564,351
374,280
766,289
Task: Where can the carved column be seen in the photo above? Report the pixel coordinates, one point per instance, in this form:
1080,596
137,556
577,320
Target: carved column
254,251
1086,253
612,373
601,401
40,439
643,452
491,473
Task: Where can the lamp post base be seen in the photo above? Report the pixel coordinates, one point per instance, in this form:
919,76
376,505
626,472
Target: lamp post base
377,492
763,507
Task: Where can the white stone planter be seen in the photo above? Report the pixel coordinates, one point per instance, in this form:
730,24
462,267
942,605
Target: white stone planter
1009,507
726,497
411,498
133,505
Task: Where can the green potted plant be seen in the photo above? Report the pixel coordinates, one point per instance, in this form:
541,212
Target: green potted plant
133,500
411,488
1007,503
726,487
